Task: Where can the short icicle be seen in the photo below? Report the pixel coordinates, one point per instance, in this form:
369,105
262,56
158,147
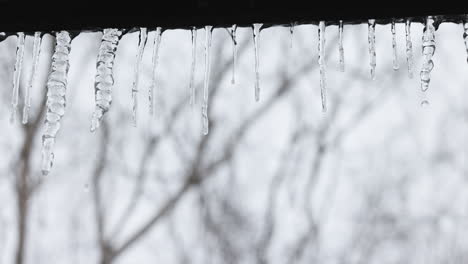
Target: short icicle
291,34
104,80
206,92
428,49
35,63
234,53
371,40
141,47
321,62
56,98
340,48
256,38
154,64
17,75
409,48
396,64
465,34
192,67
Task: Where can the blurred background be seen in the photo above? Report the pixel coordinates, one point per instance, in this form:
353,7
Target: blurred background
378,178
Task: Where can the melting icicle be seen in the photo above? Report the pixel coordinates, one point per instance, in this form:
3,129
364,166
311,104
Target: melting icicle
428,49
371,39
56,97
104,75
321,62
35,62
234,52
409,48
141,47
17,75
192,69
155,59
341,49
208,35
465,34
396,65
256,39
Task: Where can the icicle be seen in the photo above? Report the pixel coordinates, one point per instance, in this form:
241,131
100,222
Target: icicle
291,34
371,39
141,47
428,49
208,35
104,79
35,62
256,39
465,34
234,53
396,65
321,62
155,59
341,49
409,48
56,97
17,75
192,69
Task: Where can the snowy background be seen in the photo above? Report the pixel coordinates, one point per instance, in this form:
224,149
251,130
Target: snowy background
376,179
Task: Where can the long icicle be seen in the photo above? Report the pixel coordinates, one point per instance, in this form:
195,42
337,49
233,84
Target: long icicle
206,92
192,68
141,47
396,64
409,48
104,80
340,48
35,63
56,97
234,52
371,39
256,38
322,66
155,60
428,49
17,75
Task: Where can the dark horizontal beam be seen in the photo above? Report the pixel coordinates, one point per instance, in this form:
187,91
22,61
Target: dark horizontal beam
17,16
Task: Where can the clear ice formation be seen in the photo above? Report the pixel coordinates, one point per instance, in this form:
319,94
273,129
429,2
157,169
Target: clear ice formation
56,97
409,48
193,65
396,64
465,34
141,47
35,63
428,49
17,75
206,92
104,80
322,66
371,40
340,46
234,52
155,60
256,38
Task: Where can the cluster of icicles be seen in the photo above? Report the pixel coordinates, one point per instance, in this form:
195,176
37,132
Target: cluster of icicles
104,80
